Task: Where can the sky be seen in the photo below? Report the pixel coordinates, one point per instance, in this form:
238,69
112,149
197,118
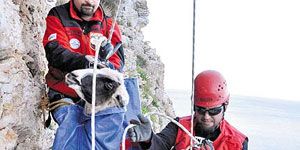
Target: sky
254,44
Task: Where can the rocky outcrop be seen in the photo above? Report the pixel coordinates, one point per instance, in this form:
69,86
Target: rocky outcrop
142,60
23,67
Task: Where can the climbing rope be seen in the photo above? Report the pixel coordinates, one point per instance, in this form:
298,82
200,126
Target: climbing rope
178,124
111,31
46,106
52,106
114,21
97,42
193,70
197,140
124,135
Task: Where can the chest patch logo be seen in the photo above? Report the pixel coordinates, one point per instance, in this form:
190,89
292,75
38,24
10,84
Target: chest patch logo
74,43
52,37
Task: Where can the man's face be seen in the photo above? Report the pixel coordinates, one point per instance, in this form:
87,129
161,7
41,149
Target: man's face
208,119
86,7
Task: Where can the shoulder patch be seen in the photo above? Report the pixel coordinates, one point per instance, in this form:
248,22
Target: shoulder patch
52,37
74,43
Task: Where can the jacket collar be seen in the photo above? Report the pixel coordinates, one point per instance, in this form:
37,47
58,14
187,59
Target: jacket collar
98,15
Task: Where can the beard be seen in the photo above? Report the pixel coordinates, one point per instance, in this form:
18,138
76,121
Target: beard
87,9
204,131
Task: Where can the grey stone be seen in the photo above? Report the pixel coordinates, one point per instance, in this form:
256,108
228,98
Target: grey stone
23,66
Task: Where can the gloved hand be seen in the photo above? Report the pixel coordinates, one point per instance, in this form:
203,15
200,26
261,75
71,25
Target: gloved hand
91,61
106,49
142,131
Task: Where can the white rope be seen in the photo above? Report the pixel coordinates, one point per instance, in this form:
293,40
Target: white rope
197,140
98,43
179,125
97,39
125,133
112,29
193,71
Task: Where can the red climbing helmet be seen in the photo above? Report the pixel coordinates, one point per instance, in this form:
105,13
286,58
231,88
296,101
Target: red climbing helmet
210,89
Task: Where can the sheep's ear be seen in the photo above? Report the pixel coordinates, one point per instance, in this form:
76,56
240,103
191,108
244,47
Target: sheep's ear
77,89
73,82
122,94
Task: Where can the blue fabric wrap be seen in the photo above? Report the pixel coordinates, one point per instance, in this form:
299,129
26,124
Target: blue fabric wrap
134,105
74,131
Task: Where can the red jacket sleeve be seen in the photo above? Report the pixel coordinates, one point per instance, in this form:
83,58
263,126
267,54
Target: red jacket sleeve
58,51
55,32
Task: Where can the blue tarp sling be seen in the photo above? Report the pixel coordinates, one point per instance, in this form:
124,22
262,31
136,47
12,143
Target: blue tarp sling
74,131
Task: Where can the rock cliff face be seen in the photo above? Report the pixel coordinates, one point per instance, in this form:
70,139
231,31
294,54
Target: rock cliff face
23,67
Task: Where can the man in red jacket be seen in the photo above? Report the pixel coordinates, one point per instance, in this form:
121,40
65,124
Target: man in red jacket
67,42
211,100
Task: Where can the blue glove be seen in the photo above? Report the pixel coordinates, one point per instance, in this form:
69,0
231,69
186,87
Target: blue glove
142,131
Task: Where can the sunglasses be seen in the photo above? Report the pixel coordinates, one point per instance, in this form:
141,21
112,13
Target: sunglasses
211,112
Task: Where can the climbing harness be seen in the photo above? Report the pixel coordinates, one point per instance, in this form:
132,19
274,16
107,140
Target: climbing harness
46,106
52,106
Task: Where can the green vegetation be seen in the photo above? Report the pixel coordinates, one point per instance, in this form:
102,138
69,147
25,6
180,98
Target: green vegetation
140,61
145,109
142,73
146,86
154,118
154,101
